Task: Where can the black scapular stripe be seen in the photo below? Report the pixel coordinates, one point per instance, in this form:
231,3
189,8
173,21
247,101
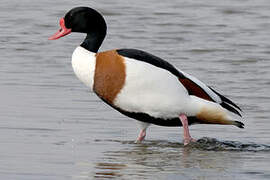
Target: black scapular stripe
149,58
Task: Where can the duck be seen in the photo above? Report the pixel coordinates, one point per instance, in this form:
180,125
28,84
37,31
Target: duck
141,85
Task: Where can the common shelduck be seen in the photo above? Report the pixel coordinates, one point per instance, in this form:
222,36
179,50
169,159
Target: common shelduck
140,85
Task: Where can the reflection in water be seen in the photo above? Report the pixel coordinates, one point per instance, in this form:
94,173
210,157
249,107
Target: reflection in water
167,160
108,170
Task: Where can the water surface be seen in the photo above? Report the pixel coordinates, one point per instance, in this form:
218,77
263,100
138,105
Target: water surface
52,127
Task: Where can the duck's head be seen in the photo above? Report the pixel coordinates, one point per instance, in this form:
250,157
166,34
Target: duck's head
83,20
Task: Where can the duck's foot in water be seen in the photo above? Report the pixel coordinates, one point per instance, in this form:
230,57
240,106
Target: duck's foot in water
187,137
188,141
141,136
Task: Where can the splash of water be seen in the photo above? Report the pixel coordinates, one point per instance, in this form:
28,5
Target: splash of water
205,143
213,144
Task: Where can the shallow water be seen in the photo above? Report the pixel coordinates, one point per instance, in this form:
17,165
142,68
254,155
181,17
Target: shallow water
52,127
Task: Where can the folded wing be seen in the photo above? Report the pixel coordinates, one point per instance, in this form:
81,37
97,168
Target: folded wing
193,85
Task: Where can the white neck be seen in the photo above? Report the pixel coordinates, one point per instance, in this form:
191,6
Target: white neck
84,63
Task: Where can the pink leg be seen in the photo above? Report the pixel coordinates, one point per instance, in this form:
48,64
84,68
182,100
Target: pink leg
141,136
187,137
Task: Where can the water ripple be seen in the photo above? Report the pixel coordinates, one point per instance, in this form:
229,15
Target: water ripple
205,144
213,144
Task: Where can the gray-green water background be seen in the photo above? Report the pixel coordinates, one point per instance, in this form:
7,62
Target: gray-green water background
52,127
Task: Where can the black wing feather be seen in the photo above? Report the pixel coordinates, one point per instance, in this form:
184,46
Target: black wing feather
228,101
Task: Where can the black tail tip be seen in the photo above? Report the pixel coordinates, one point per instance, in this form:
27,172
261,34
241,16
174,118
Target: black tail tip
239,124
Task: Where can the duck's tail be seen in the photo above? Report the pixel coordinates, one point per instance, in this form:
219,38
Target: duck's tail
213,113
